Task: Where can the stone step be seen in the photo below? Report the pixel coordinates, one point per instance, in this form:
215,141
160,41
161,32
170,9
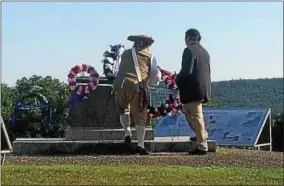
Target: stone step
90,133
62,146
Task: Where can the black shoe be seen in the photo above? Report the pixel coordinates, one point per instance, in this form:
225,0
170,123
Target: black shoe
141,151
197,152
127,140
127,148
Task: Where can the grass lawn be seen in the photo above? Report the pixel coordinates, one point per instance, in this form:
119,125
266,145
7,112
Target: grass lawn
74,174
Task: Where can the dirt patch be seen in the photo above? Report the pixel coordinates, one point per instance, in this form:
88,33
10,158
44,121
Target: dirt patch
223,157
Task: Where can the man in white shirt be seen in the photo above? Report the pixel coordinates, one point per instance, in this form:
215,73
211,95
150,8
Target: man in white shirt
137,70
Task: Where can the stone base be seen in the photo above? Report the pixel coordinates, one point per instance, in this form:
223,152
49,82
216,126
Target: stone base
49,146
92,133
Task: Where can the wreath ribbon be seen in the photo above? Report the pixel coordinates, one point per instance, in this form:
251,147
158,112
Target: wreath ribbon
22,106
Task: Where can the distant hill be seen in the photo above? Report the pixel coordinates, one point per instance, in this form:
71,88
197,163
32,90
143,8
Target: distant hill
250,93
261,93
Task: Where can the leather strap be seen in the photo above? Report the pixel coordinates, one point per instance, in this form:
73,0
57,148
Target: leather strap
136,65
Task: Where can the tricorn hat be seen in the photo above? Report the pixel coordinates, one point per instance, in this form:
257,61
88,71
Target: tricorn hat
146,39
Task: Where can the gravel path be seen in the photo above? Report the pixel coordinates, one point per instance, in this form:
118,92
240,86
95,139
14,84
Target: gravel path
223,157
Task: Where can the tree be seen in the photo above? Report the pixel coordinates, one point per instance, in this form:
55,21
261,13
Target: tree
277,133
32,122
7,103
257,93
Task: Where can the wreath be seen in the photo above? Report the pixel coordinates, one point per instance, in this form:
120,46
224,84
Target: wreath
172,104
110,61
83,88
40,103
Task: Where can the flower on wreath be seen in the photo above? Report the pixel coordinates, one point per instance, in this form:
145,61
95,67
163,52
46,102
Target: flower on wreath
83,90
172,104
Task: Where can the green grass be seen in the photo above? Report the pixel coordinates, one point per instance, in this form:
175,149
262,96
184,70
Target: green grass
68,174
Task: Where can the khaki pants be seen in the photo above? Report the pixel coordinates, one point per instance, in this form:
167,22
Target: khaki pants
128,101
194,116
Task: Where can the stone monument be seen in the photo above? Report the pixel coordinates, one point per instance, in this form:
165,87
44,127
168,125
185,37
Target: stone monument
97,118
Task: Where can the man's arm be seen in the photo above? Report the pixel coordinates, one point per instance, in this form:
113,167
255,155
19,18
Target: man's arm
186,67
155,75
187,62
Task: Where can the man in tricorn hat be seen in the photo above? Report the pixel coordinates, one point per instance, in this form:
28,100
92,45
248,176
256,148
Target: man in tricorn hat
137,70
194,83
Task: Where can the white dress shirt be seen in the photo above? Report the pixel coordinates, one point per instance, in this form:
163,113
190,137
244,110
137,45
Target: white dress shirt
116,67
155,75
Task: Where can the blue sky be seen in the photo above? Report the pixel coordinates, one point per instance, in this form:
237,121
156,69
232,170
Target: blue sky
245,40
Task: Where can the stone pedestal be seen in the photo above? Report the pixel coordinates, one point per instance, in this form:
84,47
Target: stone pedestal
53,146
90,133
97,118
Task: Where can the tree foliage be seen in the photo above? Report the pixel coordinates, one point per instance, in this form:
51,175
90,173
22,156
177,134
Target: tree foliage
32,123
277,133
7,102
258,93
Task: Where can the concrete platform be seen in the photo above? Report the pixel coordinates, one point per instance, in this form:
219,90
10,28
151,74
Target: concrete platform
92,133
50,146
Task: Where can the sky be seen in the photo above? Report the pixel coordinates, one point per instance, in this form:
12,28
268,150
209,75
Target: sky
244,40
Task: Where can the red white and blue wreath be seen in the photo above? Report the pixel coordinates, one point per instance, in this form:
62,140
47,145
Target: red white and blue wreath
172,104
79,89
